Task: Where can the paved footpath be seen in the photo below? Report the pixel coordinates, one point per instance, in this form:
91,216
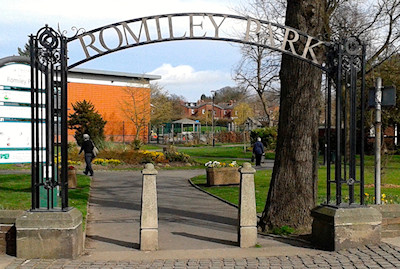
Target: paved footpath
195,231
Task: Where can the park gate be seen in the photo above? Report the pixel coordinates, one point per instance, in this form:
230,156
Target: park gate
344,67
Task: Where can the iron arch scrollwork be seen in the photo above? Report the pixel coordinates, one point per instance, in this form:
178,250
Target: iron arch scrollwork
353,46
48,38
48,46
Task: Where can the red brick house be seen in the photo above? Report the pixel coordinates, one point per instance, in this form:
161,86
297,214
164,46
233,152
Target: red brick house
200,108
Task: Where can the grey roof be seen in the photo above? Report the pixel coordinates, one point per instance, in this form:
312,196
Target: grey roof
227,105
113,74
254,121
74,72
203,104
186,121
14,59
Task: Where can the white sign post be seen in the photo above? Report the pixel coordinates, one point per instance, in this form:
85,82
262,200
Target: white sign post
15,114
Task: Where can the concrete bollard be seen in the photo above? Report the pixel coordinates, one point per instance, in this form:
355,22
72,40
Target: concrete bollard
149,215
247,232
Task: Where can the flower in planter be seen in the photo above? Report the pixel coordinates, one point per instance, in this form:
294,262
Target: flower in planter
233,164
213,164
216,164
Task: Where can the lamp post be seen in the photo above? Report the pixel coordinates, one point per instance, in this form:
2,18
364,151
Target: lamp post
378,139
212,119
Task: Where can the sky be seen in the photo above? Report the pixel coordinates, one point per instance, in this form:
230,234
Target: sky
188,68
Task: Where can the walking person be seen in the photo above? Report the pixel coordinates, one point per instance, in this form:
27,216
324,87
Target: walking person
258,151
88,147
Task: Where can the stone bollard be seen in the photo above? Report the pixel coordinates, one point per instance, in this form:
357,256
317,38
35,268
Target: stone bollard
247,232
148,216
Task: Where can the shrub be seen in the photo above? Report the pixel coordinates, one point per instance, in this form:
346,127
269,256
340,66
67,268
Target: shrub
174,156
86,120
268,136
70,162
57,159
136,144
100,161
151,156
115,155
229,137
113,161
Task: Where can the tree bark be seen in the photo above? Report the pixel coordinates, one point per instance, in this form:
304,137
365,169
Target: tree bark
293,189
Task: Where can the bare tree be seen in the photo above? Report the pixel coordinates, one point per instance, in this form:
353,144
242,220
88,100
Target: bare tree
161,106
258,69
377,23
136,107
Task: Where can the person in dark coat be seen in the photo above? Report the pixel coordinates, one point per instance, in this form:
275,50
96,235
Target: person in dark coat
258,150
87,147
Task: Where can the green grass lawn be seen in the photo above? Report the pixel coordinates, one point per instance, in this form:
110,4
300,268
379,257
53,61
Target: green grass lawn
12,166
221,152
15,193
151,147
390,185
217,152
231,193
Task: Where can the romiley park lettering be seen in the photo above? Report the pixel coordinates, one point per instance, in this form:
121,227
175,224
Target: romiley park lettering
197,26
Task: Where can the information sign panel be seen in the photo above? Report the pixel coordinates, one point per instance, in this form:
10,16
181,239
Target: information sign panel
15,114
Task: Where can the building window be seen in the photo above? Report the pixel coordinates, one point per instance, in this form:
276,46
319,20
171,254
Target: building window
225,112
203,111
192,111
235,113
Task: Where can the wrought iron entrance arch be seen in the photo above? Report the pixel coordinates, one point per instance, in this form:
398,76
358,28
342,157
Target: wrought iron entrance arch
49,69
196,26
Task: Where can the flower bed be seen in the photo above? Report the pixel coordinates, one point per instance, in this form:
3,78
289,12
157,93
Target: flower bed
124,156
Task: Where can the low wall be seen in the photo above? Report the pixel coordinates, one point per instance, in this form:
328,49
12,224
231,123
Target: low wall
390,219
8,233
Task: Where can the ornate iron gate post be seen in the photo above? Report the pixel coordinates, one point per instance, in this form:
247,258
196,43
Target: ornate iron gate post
346,215
48,51
346,62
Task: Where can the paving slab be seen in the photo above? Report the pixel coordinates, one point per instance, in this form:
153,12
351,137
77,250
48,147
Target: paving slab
189,220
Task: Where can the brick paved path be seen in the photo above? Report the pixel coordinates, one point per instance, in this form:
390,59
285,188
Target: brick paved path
382,256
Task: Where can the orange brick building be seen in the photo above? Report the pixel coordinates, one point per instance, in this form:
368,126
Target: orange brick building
110,92
116,96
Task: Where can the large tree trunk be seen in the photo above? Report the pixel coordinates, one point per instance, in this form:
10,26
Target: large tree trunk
293,188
